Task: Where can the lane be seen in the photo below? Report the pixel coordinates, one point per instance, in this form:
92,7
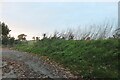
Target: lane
17,69
29,63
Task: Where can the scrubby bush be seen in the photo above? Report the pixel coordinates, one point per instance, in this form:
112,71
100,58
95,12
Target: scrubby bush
94,58
89,54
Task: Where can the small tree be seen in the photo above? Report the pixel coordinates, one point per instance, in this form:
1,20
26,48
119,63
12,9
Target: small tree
33,38
44,36
4,31
37,38
22,37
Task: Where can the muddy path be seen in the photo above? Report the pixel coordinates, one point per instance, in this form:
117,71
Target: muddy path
17,64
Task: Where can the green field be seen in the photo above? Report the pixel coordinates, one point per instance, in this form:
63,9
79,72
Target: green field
86,58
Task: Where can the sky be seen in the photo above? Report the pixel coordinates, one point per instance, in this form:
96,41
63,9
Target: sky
36,18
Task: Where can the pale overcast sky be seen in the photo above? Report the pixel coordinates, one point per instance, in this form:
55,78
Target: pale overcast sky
35,18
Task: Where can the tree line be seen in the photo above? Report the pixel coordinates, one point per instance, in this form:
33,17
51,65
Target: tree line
6,39
96,32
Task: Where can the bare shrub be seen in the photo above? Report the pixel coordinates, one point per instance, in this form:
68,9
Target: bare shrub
88,32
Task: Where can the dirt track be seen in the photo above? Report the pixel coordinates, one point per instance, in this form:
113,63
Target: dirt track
17,64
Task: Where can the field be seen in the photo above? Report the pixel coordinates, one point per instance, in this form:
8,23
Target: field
85,58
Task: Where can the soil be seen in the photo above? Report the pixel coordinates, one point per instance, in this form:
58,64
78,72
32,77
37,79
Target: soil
17,64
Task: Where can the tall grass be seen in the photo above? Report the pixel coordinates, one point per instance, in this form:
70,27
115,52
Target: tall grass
94,32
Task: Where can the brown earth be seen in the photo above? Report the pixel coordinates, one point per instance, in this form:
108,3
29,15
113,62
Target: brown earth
17,64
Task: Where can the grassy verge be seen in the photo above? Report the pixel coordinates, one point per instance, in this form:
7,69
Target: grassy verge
94,58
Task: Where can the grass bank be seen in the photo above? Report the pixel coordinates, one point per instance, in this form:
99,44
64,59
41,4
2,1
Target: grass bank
89,59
